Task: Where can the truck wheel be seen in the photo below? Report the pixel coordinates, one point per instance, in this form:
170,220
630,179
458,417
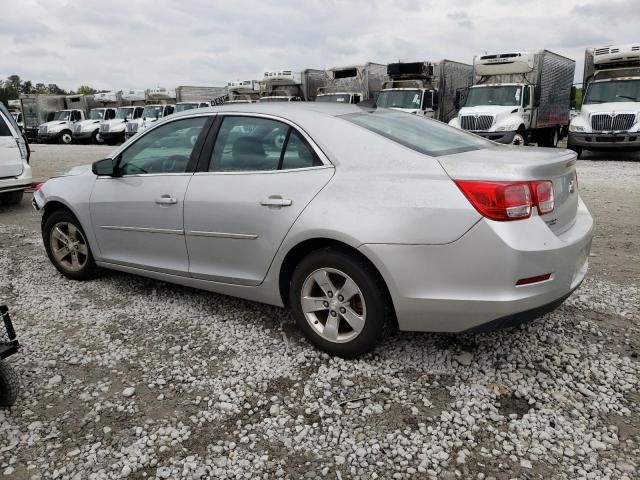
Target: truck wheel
96,138
9,385
550,138
520,138
12,198
65,137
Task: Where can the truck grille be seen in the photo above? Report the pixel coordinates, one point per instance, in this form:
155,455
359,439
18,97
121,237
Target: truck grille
104,128
132,127
607,122
42,129
479,123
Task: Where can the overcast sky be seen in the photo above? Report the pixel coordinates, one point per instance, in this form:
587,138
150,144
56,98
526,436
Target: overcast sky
138,44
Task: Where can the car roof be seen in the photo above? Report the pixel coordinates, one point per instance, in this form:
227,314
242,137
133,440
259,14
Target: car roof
294,111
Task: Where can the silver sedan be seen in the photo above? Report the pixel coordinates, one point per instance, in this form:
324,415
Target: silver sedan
355,218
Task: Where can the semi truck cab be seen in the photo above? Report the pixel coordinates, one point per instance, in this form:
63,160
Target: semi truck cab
113,131
59,128
497,111
409,96
150,114
89,129
610,115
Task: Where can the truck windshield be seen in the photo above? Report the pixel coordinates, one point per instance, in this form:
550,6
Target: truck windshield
152,111
181,107
96,114
335,98
124,113
613,91
62,115
400,99
506,95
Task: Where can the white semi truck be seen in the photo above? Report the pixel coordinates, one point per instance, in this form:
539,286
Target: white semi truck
353,83
432,89
610,115
88,130
519,97
291,86
243,91
60,128
113,131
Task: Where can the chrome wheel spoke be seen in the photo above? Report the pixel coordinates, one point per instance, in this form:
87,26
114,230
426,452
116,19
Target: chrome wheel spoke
75,263
331,328
314,304
348,290
60,253
73,232
354,320
59,235
321,277
82,248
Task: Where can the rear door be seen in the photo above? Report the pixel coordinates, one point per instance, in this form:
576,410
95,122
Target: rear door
261,174
11,162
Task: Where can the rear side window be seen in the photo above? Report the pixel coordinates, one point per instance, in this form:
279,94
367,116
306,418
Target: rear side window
259,144
416,132
5,131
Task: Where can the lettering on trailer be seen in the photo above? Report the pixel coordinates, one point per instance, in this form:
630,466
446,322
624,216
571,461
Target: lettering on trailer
218,101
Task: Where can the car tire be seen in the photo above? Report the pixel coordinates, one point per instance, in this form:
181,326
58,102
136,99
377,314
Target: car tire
520,138
576,149
65,137
96,139
60,230
9,385
345,327
12,198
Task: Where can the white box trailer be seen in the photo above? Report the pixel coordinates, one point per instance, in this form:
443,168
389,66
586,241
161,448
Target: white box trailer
189,97
353,83
432,89
109,99
519,97
292,86
134,97
38,109
243,91
610,115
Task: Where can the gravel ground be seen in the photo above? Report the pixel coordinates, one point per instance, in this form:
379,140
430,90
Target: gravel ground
129,377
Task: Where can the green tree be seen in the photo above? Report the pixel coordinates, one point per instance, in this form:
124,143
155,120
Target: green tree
86,90
53,89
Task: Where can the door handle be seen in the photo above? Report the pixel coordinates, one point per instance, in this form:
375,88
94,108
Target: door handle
166,200
276,201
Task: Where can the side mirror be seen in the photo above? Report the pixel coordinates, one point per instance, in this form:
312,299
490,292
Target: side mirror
573,97
436,100
105,167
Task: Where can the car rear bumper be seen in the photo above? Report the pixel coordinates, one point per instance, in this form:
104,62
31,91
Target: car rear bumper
22,181
608,141
500,137
471,282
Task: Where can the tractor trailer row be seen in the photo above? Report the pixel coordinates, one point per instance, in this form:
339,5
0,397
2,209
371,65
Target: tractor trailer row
510,97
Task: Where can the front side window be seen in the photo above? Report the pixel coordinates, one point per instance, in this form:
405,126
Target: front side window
165,149
417,132
259,144
96,114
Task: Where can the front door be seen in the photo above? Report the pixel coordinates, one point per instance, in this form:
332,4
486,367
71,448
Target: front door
137,215
261,175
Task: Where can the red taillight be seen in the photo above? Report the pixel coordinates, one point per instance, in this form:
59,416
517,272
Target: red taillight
536,279
506,201
543,192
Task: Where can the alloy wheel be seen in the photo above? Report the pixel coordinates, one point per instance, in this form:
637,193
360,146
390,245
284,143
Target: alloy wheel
333,305
66,138
69,246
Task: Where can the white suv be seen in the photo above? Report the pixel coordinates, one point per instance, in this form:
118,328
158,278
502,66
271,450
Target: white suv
15,172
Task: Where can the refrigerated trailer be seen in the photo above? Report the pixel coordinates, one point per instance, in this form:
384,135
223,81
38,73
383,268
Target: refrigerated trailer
519,97
189,97
291,86
610,115
38,109
432,89
243,91
352,83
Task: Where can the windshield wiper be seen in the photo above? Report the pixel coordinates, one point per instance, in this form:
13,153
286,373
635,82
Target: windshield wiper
627,96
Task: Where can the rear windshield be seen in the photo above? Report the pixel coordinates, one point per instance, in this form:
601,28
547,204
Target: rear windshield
416,132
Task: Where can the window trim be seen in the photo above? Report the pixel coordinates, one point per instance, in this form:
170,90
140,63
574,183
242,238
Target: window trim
205,158
194,157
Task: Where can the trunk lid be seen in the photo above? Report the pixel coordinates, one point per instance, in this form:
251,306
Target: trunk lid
513,163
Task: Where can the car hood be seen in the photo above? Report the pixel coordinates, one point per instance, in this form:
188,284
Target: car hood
85,123
76,171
